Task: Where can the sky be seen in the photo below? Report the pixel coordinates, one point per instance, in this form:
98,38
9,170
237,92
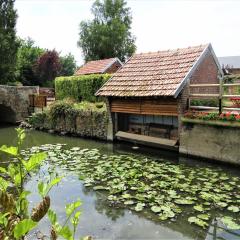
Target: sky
157,24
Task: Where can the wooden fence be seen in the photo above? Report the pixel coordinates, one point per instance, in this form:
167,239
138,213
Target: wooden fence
221,96
39,101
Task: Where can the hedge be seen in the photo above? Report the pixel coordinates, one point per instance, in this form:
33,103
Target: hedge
80,88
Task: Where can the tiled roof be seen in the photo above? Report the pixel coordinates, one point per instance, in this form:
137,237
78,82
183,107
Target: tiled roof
152,74
98,66
230,61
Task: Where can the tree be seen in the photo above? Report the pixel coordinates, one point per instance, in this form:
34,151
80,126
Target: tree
47,68
108,34
8,41
27,57
68,65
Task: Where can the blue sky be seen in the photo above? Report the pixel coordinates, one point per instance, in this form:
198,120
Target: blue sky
157,24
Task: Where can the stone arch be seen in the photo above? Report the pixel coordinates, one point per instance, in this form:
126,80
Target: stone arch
7,114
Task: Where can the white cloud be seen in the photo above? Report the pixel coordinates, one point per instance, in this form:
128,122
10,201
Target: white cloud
157,25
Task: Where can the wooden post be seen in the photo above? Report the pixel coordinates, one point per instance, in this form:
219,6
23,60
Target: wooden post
188,103
220,94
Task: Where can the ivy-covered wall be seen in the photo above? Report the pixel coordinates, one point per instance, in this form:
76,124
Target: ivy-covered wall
80,88
64,118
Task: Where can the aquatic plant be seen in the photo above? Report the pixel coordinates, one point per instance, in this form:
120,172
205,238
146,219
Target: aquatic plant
15,219
168,190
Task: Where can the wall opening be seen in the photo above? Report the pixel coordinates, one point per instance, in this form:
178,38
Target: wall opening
7,115
150,125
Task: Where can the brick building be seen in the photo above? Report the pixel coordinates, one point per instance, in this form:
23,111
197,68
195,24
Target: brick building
110,65
149,94
230,64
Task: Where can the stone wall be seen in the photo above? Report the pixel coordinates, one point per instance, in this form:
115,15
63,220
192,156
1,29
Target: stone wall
15,100
83,123
221,143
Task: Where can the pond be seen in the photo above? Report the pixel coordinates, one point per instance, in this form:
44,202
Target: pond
118,204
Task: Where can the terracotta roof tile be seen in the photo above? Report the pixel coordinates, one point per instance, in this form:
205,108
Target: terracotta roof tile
94,67
152,74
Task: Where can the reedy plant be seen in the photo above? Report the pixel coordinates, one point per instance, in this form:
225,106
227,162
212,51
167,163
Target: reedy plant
15,219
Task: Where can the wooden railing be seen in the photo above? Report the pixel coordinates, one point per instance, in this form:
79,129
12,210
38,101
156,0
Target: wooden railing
220,96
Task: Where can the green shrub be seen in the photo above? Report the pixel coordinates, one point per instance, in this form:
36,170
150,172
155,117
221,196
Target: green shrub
80,88
37,119
59,108
205,102
231,78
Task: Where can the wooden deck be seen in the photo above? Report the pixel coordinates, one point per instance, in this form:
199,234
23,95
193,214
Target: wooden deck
148,141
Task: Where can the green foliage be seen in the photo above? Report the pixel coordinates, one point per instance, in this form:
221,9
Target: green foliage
167,189
198,221
108,34
8,41
15,219
44,188
231,78
37,119
80,88
60,108
68,65
230,223
27,56
73,215
205,102
68,111
23,227
30,69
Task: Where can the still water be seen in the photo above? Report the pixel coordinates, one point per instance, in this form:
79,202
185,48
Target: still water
98,219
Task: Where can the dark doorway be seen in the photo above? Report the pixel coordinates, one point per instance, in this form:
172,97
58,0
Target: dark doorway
7,115
123,122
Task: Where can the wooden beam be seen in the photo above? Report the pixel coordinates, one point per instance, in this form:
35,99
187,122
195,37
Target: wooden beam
204,95
204,107
231,84
231,96
205,85
231,109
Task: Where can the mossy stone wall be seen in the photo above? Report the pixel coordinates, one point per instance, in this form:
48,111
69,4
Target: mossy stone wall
84,123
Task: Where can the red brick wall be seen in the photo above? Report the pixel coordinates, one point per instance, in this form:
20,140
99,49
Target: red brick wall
113,68
207,72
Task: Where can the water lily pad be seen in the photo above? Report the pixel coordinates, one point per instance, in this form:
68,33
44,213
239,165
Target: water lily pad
203,216
129,202
163,217
222,204
126,195
230,223
234,209
139,207
184,201
199,208
100,188
198,221
156,209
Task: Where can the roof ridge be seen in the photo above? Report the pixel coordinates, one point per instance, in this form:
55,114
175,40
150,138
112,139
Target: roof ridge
172,50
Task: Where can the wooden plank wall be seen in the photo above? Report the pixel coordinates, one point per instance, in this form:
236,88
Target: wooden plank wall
161,106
